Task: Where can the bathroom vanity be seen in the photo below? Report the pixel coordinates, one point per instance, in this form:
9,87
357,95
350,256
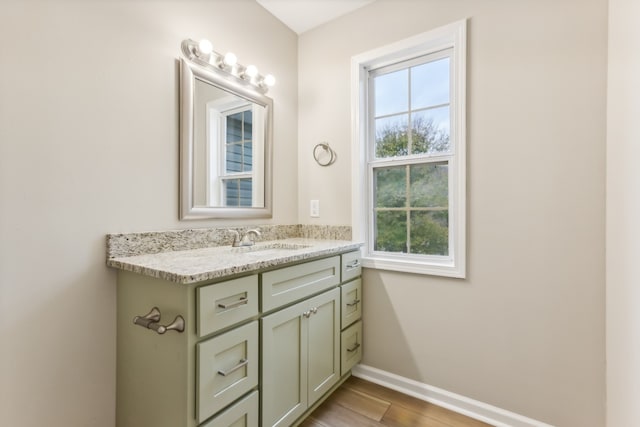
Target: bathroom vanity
249,336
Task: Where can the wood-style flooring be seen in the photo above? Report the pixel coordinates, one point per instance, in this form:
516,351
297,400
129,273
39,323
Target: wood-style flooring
359,403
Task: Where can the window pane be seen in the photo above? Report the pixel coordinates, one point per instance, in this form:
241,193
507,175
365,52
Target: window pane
391,136
391,93
247,157
391,231
430,232
248,125
429,186
245,192
237,192
430,131
234,127
430,84
234,158
390,187
231,192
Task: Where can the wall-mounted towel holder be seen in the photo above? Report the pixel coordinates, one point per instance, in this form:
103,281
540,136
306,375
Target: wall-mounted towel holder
324,155
151,321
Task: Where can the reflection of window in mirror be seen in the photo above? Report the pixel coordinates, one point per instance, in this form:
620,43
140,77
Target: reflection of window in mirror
238,160
234,166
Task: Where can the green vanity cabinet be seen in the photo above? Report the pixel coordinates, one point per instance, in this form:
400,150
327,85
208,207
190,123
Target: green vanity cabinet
258,349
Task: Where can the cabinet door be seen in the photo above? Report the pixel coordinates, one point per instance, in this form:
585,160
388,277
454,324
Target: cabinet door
284,366
323,343
300,357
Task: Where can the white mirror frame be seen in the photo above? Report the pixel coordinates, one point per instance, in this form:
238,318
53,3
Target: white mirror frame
189,71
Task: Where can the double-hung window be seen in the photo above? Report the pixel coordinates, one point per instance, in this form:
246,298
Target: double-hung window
236,178
409,185
234,154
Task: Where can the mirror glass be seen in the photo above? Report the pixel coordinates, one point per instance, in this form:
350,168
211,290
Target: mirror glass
225,146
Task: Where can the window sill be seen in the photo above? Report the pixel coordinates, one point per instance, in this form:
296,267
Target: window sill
445,269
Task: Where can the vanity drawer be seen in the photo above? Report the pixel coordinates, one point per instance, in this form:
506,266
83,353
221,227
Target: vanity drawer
351,347
351,302
244,413
351,266
224,304
227,368
289,284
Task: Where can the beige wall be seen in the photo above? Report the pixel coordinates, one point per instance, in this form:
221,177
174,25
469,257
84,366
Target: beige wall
623,211
525,330
88,146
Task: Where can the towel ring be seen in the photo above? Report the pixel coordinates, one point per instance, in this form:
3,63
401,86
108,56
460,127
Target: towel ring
321,148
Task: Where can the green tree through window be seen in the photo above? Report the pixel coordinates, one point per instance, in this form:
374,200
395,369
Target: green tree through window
411,201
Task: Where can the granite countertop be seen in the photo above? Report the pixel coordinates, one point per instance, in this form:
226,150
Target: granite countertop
197,265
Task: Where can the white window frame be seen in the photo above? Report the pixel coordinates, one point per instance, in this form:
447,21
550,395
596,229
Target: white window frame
225,175
452,36
216,132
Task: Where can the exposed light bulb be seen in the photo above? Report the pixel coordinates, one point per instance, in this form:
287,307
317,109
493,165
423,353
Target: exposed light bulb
269,80
251,71
205,47
230,59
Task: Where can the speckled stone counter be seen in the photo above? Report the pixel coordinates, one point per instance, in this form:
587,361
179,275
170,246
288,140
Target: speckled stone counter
190,256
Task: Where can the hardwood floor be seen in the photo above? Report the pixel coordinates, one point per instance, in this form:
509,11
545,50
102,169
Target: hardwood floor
359,403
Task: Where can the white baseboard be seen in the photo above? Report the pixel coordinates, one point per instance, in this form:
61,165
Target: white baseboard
472,408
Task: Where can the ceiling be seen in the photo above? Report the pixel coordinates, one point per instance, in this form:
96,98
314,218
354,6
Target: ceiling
303,15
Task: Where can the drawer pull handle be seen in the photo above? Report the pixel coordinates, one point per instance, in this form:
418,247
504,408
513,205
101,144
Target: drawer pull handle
241,301
353,265
354,348
354,302
243,362
151,319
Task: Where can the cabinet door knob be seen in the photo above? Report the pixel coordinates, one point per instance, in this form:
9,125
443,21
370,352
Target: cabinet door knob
309,312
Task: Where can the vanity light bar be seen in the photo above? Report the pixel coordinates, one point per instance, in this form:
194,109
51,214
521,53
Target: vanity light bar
203,53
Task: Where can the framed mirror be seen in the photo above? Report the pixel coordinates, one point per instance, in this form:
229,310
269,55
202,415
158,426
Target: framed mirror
225,145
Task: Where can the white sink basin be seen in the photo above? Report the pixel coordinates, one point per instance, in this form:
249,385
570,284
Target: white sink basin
264,249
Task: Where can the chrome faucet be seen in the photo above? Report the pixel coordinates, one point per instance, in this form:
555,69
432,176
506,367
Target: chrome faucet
244,240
